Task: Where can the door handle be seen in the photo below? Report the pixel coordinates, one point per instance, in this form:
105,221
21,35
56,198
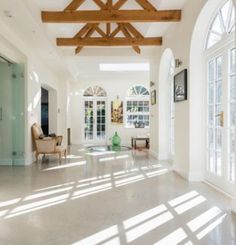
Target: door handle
221,116
1,114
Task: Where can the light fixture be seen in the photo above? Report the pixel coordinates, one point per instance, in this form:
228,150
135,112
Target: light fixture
152,84
178,63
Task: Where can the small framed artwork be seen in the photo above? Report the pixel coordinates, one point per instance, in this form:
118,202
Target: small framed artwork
153,97
180,86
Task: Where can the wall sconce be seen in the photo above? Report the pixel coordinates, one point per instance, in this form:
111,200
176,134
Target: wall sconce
152,84
178,63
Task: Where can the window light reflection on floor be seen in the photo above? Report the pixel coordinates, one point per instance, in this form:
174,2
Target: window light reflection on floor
182,198
99,237
173,238
54,186
210,227
68,165
10,202
144,216
148,226
190,204
27,208
204,218
47,193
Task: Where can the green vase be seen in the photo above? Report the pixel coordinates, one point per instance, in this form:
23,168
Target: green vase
116,140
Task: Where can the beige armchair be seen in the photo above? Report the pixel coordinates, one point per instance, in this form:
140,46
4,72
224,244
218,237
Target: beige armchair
46,145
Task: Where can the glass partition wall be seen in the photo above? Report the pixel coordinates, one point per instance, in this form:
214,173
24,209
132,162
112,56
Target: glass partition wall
12,116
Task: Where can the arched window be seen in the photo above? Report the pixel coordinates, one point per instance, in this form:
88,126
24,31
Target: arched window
223,24
221,97
95,91
137,107
138,90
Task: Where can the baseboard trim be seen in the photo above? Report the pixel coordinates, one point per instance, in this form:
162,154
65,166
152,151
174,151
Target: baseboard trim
218,189
182,175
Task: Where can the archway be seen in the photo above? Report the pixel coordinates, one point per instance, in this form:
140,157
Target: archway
166,107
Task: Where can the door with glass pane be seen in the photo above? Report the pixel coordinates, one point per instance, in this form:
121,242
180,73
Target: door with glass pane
12,117
95,120
221,120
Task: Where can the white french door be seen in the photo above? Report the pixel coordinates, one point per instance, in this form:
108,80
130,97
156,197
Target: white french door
95,120
221,98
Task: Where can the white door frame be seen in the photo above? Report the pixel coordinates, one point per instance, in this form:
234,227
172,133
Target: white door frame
95,140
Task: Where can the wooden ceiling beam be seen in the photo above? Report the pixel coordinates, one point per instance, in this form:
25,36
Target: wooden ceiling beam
128,35
109,4
100,31
89,34
133,30
118,41
108,29
116,31
119,4
112,16
74,5
83,30
100,4
146,5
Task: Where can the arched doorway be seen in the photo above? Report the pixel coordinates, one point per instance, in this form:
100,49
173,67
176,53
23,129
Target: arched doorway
166,102
95,114
212,101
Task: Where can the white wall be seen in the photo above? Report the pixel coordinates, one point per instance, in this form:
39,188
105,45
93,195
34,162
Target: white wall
36,73
178,39
115,85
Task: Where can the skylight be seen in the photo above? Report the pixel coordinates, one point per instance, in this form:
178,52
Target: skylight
125,67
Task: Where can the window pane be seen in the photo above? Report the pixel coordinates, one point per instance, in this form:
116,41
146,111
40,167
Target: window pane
211,71
217,25
213,39
219,68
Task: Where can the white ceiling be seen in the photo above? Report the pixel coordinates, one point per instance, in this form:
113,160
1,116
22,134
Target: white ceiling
27,24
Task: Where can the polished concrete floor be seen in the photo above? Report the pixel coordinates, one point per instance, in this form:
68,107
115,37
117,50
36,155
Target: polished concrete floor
109,198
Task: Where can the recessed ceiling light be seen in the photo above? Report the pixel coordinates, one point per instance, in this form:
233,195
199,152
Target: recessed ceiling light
8,13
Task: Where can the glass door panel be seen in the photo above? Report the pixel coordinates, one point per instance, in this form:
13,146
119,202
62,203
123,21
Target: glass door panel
12,117
5,114
89,121
101,120
221,120
95,120
215,114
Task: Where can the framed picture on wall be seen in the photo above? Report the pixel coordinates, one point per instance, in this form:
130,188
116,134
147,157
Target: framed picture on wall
180,86
153,97
117,112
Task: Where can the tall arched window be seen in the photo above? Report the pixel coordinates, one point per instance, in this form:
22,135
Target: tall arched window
221,97
137,107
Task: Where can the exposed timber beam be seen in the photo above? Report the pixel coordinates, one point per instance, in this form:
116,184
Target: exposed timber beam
108,16
74,5
119,4
100,41
128,35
